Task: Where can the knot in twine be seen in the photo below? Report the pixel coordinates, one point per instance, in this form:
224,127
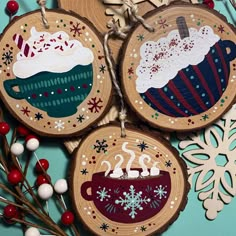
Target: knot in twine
42,4
135,17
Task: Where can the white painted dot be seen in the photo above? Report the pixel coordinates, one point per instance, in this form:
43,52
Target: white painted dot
135,55
85,40
31,118
83,109
22,27
136,101
57,21
40,95
155,148
134,50
230,80
171,207
192,16
87,117
90,208
87,112
84,163
90,40
8,68
101,82
137,140
140,103
83,156
98,76
110,137
176,199
193,20
85,208
172,203
0,72
170,25
86,159
87,33
52,93
234,76
17,105
141,108
172,122
90,85
89,213
131,54
78,87
28,97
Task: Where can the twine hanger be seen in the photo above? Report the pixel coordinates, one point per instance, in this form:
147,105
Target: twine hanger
42,4
122,33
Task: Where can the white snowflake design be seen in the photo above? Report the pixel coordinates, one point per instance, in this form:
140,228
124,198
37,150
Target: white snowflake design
132,201
103,194
210,155
59,125
160,191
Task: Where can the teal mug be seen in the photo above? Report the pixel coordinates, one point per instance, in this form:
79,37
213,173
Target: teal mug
58,94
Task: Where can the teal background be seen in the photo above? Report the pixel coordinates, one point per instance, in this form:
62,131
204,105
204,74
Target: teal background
191,222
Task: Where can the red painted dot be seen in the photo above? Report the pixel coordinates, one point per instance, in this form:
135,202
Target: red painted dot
45,94
83,28
59,91
34,96
90,162
8,74
93,157
94,162
72,88
74,125
85,86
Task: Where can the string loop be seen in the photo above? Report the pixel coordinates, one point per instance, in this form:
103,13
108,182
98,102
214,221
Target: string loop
42,4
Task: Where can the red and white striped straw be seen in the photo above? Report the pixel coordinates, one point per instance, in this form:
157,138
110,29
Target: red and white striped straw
23,46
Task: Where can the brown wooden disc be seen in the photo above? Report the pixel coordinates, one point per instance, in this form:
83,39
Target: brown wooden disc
103,13
135,185
182,76
55,81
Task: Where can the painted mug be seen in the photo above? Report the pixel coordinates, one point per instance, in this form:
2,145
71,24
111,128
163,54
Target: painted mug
196,88
59,94
128,200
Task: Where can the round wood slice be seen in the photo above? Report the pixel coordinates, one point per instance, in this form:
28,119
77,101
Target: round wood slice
55,82
104,13
175,80
127,186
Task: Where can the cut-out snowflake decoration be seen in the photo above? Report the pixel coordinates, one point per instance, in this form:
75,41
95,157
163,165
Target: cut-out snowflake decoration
132,201
59,125
160,191
211,156
103,194
122,12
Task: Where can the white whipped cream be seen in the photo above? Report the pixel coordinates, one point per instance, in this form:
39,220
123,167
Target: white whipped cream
161,60
53,53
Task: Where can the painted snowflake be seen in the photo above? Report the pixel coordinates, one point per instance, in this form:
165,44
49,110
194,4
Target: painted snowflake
160,192
132,201
103,194
101,146
59,125
95,105
210,155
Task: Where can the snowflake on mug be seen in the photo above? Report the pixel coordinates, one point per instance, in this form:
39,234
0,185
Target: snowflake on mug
160,192
132,201
210,155
95,105
7,57
102,194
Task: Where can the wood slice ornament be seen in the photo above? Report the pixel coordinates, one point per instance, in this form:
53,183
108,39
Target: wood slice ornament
182,77
135,185
55,81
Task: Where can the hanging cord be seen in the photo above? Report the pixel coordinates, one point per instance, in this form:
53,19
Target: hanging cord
121,33
42,4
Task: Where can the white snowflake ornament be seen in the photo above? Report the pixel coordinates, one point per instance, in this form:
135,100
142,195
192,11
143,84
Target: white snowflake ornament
211,155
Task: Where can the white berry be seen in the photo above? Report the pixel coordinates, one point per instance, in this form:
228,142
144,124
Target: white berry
17,149
61,186
32,232
45,191
32,144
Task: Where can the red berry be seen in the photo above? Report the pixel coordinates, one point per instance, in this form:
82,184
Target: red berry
42,179
9,221
30,136
10,211
12,7
14,177
22,130
44,164
209,3
4,128
67,218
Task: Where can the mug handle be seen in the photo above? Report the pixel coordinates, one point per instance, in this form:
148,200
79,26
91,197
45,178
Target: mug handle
84,189
8,85
232,46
